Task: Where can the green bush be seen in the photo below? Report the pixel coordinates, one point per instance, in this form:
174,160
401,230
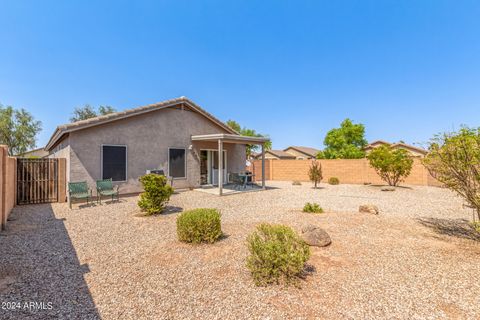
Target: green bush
312,208
157,193
277,254
334,181
296,183
199,225
392,165
476,225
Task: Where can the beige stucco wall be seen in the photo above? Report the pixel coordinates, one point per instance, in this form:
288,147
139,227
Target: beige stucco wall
7,184
147,138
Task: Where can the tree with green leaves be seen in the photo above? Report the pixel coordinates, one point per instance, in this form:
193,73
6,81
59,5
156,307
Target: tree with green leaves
251,148
87,112
392,165
454,160
346,142
18,129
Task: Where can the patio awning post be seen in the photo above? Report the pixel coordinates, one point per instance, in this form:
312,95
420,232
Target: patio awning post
220,166
263,165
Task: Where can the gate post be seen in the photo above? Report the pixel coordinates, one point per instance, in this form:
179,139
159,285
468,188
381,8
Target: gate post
62,183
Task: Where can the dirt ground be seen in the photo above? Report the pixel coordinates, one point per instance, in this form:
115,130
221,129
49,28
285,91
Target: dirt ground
418,259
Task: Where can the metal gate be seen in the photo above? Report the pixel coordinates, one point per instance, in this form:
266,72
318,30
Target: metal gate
37,180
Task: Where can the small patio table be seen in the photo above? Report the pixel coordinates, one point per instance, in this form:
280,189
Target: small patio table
245,177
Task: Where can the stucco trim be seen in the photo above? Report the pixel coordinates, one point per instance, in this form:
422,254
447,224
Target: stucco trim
126,160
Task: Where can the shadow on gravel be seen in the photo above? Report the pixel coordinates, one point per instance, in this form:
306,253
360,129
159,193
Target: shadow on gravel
40,274
452,227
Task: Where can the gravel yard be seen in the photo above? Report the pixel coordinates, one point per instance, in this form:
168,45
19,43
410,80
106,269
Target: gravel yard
418,259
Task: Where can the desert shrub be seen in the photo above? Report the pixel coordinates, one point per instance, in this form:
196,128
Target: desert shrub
312,208
454,160
334,181
277,254
157,193
392,165
315,172
296,183
476,225
199,225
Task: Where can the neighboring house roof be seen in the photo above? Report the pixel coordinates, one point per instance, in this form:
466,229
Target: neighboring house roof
279,154
39,152
60,131
305,150
396,145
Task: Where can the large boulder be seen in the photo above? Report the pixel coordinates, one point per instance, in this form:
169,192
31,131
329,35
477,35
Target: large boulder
315,236
369,208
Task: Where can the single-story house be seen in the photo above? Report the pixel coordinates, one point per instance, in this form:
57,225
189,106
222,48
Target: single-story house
414,151
177,136
275,154
290,153
302,153
36,153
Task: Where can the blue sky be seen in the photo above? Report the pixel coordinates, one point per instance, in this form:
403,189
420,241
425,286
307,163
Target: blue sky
290,69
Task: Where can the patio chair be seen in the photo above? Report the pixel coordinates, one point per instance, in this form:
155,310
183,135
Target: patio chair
78,190
236,180
106,188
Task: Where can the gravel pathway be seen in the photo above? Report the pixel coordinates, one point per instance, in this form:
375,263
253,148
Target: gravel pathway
418,259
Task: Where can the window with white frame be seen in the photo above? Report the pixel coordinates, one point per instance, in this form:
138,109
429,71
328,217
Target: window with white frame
177,162
114,162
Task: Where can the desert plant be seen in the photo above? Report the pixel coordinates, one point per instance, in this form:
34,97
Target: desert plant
277,254
199,225
392,165
334,181
157,193
315,172
296,183
476,225
454,160
312,208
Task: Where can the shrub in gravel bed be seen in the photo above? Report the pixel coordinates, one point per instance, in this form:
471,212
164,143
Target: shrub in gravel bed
312,208
157,193
199,225
296,183
476,225
277,254
333,181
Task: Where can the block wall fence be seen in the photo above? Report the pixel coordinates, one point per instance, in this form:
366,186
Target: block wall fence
352,171
7,184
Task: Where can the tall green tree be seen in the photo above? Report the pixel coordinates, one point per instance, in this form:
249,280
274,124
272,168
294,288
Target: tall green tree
251,148
87,112
18,129
346,142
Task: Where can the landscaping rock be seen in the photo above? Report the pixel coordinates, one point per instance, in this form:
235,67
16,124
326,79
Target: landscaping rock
369,208
315,236
388,189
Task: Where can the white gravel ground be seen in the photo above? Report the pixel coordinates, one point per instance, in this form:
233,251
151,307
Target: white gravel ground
417,260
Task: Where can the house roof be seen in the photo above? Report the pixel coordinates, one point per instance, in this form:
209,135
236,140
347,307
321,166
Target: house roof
305,150
280,154
61,130
394,145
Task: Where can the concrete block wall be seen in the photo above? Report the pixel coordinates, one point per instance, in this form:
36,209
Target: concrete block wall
352,171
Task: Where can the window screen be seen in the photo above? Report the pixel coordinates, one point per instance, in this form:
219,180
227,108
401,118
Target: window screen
176,163
114,163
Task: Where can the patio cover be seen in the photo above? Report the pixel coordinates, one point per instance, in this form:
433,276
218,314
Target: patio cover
232,138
